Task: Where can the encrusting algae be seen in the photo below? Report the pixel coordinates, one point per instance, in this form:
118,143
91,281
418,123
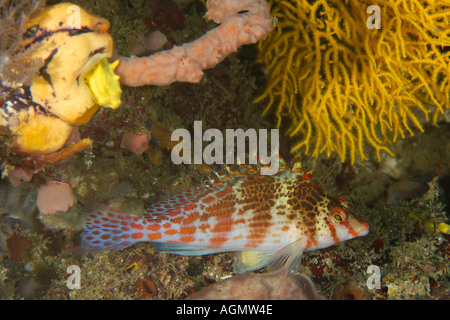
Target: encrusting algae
343,82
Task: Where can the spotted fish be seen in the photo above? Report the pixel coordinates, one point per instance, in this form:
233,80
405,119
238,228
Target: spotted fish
269,219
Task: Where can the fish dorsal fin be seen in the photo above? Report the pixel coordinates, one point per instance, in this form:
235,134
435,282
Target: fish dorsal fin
172,203
297,167
243,170
298,170
283,167
233,174
287,258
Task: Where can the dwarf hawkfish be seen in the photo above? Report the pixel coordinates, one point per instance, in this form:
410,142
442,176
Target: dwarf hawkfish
269,219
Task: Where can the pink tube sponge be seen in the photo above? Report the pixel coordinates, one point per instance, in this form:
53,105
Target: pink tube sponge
240,22
136,143
54,197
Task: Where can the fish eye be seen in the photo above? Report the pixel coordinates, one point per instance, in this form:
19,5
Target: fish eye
338,215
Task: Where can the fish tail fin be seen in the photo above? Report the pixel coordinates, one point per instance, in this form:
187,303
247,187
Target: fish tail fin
110,230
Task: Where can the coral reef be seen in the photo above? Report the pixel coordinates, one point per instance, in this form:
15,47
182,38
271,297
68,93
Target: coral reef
343,83
413,258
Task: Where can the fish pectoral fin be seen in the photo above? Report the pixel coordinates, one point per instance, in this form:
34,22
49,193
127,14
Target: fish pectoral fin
288,258
180,249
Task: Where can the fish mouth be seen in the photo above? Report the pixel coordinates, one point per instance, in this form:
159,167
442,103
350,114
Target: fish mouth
363,229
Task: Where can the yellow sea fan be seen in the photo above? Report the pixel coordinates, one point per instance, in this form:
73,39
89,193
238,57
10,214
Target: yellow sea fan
343,85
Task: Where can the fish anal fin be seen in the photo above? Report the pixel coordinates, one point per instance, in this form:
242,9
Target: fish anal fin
181,249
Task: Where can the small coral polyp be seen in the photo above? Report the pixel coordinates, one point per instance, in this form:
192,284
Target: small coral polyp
342,84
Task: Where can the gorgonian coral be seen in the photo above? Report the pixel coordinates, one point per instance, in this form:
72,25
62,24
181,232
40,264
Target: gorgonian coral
343,84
